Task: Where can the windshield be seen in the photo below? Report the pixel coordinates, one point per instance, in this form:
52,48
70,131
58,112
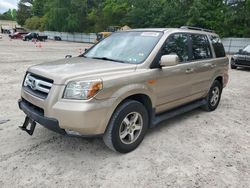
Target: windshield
126,47
247,49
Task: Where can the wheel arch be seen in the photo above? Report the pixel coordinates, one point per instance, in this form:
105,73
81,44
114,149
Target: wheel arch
220,79
146,101
140,97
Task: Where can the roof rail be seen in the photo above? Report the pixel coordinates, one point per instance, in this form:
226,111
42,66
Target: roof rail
197,28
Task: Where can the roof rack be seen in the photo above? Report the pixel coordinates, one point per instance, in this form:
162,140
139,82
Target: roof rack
197,28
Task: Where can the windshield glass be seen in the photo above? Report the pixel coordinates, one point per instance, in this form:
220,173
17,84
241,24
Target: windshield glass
127,47
247,49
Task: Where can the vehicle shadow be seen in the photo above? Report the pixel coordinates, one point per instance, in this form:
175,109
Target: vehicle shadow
175,121
243,69
82,145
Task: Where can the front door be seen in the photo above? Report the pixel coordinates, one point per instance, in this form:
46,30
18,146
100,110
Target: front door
174,84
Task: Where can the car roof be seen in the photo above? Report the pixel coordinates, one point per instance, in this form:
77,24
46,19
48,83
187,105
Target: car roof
174,30
150,29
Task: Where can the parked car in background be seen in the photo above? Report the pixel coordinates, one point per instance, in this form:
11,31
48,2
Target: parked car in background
107,32
36,36
57,38
241,59
18,35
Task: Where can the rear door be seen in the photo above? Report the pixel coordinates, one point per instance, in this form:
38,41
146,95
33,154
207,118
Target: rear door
203,64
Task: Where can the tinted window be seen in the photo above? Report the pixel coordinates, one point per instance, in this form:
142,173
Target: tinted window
200,47
218,46
177,44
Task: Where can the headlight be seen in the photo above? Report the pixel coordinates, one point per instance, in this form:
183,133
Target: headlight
82,90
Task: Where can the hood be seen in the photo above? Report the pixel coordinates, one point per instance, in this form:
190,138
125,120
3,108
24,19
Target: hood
239,57
79,67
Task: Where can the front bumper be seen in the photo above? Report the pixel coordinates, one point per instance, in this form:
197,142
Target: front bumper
245,64
79,118
37,116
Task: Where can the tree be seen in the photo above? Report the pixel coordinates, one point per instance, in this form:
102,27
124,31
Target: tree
226,17
237,19
24,11
7,15
14,13
33,23
39,7
207,14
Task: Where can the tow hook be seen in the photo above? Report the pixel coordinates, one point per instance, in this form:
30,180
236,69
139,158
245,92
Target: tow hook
26,123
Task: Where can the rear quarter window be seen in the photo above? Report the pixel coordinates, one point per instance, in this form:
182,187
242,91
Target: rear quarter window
218,46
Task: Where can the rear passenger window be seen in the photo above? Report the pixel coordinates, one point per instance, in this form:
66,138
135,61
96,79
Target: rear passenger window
200,47
218,46
177,44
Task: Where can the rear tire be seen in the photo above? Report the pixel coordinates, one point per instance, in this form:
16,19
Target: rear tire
213,97
127,127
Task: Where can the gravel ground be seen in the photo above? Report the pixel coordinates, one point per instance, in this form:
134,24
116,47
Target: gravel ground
197,149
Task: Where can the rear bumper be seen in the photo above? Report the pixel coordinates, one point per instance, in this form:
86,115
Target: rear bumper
32,113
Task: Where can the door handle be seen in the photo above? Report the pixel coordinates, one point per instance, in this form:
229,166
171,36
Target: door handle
189,70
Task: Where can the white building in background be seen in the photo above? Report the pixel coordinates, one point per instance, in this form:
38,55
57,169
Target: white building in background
8,25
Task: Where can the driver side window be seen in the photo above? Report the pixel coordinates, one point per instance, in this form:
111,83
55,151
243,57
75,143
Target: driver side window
177,44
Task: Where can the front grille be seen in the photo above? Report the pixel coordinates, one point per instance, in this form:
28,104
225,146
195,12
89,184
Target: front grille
37,85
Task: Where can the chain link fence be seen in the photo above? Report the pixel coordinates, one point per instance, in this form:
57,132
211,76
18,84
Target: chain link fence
232,45
72,37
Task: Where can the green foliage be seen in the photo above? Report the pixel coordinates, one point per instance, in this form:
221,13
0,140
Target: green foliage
38,7
9,15
24,12
223,16
13,14
33,23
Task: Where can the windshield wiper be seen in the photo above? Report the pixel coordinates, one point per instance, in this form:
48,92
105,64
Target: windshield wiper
108,59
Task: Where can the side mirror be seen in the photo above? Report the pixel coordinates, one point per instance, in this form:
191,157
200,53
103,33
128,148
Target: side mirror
68,56
169,60
86,49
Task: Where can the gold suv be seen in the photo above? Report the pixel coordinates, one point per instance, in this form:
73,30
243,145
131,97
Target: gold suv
125,84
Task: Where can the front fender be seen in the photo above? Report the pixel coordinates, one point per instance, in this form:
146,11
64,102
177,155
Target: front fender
135,89
127,91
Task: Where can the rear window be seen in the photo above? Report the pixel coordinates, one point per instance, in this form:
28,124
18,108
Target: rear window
218,46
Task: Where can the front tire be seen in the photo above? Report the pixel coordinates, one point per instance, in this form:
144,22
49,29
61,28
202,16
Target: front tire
127,127
213,97
233,67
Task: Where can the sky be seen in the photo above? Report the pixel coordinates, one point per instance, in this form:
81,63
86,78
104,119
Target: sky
7,4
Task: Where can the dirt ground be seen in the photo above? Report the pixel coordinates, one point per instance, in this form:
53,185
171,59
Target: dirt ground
197,149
